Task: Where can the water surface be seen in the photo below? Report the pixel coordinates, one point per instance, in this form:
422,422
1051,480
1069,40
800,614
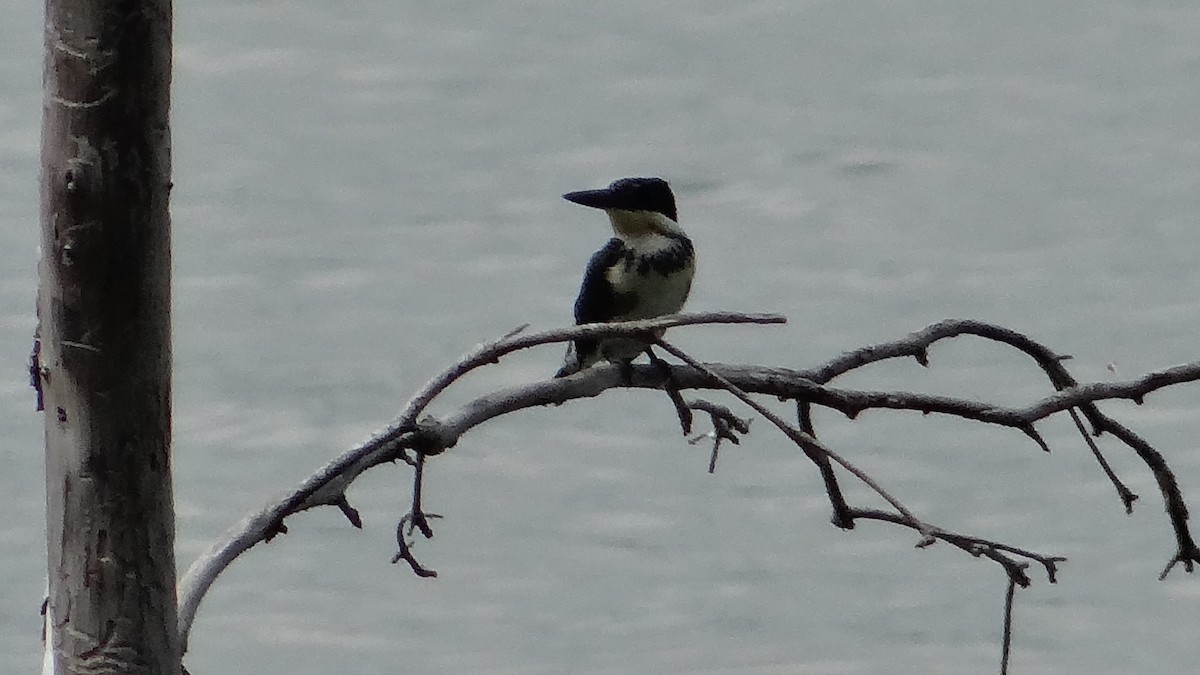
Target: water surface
365,190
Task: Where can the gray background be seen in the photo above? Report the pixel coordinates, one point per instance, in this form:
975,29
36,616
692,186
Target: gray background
364,190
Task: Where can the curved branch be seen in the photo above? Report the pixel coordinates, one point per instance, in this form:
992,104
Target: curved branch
1073,395
443,432
327,486
917,345
976,546
435,434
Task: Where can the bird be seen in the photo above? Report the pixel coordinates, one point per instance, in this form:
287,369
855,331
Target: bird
644,271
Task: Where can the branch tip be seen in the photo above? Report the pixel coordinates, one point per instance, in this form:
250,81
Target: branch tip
1189,557
516,331
1017,575
1051,565
1006,640
404,529
1037,438
349,511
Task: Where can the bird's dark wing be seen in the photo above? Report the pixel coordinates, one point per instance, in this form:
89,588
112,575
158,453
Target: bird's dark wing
598,301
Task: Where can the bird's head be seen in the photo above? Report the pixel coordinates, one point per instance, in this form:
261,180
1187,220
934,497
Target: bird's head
636,206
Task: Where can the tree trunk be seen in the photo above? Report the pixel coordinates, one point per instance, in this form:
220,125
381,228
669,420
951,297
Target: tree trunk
105,355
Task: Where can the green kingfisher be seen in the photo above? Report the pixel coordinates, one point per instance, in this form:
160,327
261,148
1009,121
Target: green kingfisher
643,272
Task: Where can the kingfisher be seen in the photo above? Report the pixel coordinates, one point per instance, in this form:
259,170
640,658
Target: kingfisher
643,272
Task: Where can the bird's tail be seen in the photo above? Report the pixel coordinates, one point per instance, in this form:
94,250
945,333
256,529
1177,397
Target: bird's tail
571,363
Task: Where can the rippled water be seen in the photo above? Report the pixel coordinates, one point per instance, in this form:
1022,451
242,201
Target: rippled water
365,190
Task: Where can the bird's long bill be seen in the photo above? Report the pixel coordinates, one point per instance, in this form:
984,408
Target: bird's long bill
597,199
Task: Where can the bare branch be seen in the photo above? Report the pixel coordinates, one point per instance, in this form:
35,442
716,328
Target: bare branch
841,510
785,384
327,486
811,446
406,438
491,352
929,533
917,345
976,546
682,411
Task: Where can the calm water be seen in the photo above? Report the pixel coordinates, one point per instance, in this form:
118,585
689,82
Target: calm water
365,190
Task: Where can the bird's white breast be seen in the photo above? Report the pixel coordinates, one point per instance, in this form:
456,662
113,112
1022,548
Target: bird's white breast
654,293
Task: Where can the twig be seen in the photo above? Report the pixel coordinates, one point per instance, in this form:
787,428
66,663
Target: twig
682,411
415,520
404,529
1006,648
976,546
726,426
841,510
1128,497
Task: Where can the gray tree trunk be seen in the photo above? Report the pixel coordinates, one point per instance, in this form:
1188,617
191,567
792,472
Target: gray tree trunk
105,353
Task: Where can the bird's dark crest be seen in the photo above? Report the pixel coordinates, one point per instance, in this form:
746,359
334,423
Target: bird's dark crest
646,194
